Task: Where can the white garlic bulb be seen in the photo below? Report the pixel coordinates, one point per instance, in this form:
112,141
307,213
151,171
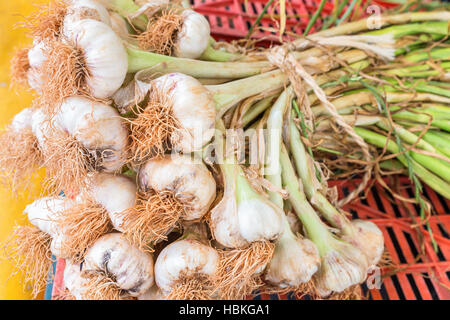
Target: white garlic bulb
193,38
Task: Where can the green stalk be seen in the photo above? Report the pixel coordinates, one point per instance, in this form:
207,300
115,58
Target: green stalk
256,110
273,144
211,54
331,214
378,140
140,60
431,27
419,86
437,54
315,228
391,165
228,94
316,15
438,141
419,71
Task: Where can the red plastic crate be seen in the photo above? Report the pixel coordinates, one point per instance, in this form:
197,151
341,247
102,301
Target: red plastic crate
231,19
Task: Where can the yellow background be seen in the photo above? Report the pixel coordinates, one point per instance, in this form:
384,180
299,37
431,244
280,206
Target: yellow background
11,102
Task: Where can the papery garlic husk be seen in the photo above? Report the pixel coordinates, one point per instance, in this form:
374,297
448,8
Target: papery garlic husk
169,193
243,215
185,269
180,115
343,265
294,261
84,136
20,156
193,38
90,60
119,26
113,255
73,281
366,236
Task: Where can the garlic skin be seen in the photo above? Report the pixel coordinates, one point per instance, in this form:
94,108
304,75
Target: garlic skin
105,56
193,38
181,175
259,220
36,58
225,222
193,107
23,120
368,238
131,268
116,193
73,280
98,127
84,9
119,26
343,266
294,261
154,293
184,258
42,127
42,212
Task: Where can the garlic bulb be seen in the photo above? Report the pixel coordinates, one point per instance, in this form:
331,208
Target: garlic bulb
116,193
366,236
343,266
105,58
20,156
84,136
182,176
131,268
294,261
180,113
84,9
243,215
187,259
193,38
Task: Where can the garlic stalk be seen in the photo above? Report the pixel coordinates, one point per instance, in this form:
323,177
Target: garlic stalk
364,235
342,264
295,259
186,268
20,156
115,269
169,193
83,136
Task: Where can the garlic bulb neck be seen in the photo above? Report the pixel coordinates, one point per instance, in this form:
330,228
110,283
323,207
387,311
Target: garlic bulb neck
84,9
